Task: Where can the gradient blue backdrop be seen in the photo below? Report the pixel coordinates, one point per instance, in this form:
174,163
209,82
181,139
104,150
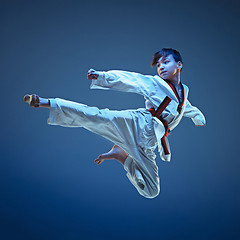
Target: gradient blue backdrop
50,187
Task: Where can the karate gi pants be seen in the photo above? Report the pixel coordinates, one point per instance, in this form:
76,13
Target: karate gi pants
132,130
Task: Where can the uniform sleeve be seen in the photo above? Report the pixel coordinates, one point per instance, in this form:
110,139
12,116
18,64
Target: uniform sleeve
124,81
195,114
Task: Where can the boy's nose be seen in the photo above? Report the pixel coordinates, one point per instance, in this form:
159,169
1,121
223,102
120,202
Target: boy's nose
161,68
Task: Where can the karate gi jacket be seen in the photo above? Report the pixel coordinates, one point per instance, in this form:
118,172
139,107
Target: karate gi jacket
154,89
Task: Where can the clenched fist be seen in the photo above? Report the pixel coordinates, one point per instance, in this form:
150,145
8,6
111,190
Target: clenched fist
92,74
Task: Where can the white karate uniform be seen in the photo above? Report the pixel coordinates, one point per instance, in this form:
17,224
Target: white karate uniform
137,132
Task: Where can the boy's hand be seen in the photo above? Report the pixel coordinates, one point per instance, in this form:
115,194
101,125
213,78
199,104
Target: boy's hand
92,74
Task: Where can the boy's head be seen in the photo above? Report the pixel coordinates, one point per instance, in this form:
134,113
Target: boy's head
169,63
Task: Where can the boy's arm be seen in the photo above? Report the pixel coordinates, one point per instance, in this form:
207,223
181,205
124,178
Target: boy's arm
195,114
122,81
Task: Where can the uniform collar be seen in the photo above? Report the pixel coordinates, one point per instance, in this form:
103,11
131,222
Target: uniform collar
176,93
168,86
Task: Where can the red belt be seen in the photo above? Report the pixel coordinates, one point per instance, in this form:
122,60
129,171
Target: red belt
157,113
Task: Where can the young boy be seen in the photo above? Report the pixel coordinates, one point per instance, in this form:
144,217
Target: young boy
135,133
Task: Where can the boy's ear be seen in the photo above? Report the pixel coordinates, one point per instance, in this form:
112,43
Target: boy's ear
179,65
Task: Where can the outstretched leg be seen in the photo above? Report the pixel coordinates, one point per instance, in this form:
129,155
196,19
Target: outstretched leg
115,153
131,130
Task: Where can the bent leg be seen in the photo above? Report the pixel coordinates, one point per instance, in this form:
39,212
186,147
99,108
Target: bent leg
148,188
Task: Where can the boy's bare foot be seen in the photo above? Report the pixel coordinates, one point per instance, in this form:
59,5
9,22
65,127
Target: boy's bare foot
35,101
32,99
115,153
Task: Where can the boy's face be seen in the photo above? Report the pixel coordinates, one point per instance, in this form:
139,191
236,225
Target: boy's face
167,67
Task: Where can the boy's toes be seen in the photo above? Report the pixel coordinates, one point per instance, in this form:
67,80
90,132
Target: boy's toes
99,159
27,98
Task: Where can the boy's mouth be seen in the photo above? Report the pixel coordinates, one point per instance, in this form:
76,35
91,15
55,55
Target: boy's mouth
163,72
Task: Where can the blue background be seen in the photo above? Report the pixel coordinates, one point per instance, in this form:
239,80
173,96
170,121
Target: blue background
50,187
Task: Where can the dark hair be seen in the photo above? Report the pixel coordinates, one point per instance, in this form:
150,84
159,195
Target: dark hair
164,53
